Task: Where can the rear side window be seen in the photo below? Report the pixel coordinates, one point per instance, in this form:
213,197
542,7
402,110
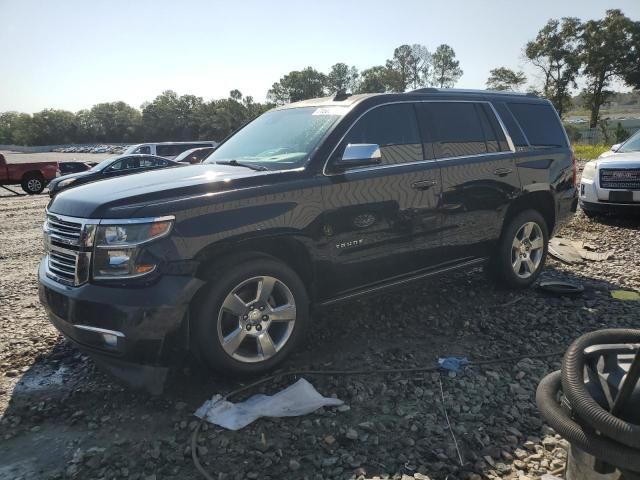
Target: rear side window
496,139
168,150
517,137
540,124
144,150
453,129
394,129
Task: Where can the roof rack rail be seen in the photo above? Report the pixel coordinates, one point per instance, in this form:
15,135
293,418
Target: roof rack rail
477,91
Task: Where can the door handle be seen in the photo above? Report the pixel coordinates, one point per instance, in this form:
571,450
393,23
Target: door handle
502,172
424,184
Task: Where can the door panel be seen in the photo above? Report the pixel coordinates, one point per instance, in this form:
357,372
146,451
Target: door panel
479,175
381,221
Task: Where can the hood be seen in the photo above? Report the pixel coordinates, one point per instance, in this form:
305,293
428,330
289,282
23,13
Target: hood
57,180
121,197
611,153
620,160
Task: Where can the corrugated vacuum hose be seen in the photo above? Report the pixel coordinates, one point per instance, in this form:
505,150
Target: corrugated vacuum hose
594,402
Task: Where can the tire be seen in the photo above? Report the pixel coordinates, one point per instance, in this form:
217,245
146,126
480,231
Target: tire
232,308
520,256
33,183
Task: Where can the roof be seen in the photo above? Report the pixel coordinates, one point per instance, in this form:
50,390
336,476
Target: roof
431,92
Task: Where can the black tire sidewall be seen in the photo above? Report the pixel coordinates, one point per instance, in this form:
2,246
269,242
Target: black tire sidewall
205,317
502,269
25,184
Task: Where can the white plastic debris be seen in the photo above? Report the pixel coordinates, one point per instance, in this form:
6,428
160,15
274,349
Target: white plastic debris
295,400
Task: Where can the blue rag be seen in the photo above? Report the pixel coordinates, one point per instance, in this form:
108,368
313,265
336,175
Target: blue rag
452,363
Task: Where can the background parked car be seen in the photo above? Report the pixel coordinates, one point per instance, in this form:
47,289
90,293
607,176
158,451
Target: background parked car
194,156
112,167
168,149
75,167
32,177
632,144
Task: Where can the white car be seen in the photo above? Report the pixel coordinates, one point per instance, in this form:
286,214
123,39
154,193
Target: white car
611,184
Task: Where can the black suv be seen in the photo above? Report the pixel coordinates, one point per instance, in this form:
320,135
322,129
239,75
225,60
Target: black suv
310,204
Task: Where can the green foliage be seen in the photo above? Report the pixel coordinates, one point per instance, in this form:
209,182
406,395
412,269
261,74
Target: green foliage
298,85
506,79
573,132
605,48
621,133
590,152
446,69
342,76
379,79
556,53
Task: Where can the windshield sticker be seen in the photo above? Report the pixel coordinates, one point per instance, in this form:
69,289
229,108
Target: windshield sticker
330,111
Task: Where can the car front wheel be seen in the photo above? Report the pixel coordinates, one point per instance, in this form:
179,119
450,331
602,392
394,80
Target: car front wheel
251,316
521,252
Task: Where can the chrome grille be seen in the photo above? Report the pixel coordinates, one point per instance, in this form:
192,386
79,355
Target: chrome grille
68,242
63,231
627,178
63,264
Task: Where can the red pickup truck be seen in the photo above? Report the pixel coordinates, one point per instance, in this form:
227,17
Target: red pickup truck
33,177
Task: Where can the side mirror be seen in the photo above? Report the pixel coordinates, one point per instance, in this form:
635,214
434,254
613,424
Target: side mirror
614,148
359,155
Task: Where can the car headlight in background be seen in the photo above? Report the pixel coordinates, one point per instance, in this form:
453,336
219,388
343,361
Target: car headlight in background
118,247
589,171
66,182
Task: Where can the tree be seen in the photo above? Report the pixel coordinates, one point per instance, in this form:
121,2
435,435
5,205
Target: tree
15,128
555,52
170,117
52,127
298,85
605,45
506,79
379,79
420,66
631,67
446,69
109,122
342,77
402,63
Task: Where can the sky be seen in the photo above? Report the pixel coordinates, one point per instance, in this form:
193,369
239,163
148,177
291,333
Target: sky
72,54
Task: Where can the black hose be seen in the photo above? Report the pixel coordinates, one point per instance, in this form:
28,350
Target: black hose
581,401
369,371
617,454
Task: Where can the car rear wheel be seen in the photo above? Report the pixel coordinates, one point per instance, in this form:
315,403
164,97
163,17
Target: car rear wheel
33,184
521,252
251,317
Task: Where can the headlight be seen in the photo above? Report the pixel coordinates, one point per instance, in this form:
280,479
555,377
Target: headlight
118,251
589,172
65,182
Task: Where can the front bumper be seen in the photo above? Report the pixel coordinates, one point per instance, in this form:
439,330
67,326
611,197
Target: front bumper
121,326
612,208
593,198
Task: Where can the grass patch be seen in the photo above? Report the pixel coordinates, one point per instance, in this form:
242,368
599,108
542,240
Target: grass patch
589,152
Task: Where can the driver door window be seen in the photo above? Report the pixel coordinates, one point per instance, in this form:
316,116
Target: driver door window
394,129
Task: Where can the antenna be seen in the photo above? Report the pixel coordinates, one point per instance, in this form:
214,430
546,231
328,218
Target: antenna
341,94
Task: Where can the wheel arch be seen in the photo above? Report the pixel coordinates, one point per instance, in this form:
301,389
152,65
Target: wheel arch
31,174
292,250
541,201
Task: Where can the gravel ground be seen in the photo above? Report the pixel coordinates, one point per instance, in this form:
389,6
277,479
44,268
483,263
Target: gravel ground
62,418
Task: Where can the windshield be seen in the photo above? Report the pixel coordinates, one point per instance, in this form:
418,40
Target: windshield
280,139
632,144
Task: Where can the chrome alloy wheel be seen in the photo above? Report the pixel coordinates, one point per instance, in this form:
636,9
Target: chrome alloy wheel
527,250
256,319
34,185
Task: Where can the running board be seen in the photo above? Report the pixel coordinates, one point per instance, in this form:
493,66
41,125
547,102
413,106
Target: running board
395,283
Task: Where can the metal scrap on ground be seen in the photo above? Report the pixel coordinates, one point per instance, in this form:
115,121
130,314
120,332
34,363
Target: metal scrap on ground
574,251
